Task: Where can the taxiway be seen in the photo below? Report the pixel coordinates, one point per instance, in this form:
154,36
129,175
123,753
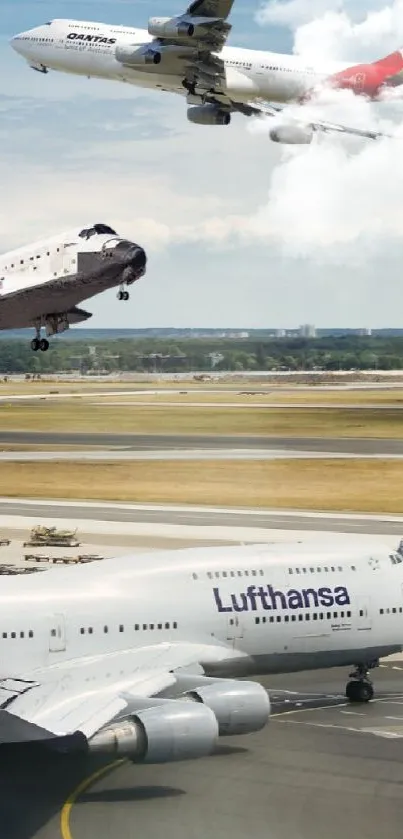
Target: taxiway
320,768
167,442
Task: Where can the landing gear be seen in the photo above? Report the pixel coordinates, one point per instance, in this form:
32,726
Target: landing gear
123,295
190,87
39,343
360,688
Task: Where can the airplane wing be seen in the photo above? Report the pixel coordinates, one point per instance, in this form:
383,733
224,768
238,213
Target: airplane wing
261,108
82,696
206,20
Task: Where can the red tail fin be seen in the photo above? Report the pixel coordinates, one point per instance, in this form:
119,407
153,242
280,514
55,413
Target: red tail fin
391,63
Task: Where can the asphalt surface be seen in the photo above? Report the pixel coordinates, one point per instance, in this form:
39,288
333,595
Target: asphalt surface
320,769
208,517
150,442
125,455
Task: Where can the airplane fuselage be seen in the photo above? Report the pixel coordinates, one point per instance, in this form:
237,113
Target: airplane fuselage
273,608
90,49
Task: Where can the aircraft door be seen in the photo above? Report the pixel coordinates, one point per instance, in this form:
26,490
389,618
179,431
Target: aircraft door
57,634
234,628
363,613
56,261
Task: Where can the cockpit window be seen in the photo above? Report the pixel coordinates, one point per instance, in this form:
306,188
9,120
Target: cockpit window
101,229
97,230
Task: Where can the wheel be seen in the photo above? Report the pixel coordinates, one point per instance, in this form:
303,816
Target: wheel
120,295
35,344
359,691
44,344
126,295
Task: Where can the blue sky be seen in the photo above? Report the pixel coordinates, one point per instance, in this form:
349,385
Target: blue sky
238,231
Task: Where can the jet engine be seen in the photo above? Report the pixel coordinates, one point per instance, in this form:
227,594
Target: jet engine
167,730
180,27
240,707
209,115
132,56
292,134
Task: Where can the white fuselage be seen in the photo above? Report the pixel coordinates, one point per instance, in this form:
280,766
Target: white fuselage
39,262
250,74
273,608
42,283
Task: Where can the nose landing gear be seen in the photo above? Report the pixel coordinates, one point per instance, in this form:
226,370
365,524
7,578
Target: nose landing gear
123,295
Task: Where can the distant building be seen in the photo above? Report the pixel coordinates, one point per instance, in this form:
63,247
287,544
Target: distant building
365,331
280,333
307,330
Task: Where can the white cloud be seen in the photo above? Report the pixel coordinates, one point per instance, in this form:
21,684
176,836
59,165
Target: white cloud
333,29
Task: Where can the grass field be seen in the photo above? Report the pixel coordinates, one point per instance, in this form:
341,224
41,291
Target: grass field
338,485
76,416
268,397
248,390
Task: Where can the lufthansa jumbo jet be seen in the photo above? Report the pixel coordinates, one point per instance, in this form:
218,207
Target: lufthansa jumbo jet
142,655
42,284
186,54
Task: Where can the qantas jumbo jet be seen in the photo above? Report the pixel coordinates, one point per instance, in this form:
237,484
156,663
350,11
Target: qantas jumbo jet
42,284
103,657
186,55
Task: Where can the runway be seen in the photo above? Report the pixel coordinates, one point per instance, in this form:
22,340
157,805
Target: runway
202,517
320,768
172,442
116,456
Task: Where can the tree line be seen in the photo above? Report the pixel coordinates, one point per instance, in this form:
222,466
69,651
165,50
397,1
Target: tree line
351,352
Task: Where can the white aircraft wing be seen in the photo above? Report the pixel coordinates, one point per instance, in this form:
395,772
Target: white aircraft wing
261,108
84,695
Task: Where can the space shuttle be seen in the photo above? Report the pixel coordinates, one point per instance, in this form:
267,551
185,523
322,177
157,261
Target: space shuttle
43,284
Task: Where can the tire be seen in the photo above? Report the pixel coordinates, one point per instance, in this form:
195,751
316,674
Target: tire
35,344
44,345
359,691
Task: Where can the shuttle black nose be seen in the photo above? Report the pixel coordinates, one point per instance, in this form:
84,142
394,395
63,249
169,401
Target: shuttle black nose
137,258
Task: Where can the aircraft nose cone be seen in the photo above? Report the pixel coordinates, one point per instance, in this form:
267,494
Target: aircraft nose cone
17,42
134,259
137,258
